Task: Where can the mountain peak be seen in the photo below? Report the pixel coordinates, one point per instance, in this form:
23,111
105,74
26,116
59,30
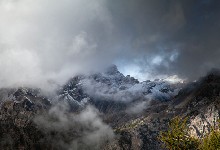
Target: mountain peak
111,70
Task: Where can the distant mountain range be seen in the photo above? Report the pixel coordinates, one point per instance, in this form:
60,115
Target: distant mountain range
105,111
114,88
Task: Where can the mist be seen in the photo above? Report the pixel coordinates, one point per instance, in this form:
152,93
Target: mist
85,130
44,43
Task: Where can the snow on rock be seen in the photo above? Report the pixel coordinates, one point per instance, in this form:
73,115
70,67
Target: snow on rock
111,85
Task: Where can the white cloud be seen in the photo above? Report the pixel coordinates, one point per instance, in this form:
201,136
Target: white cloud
49,40
82,131
157,60
174,79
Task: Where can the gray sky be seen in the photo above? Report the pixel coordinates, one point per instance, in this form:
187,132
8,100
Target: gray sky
167,37
43,41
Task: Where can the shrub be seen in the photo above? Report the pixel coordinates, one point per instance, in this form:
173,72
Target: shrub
211,141
177,137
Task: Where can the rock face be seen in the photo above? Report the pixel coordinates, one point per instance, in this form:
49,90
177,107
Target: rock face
17,130
201,124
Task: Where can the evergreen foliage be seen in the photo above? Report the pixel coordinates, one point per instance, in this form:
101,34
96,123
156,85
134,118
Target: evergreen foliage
211,141
177,137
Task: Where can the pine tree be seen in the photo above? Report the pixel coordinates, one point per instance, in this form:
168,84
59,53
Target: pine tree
177,137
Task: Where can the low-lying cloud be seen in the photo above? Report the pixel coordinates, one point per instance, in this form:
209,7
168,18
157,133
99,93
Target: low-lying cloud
85,130
127,92
137,108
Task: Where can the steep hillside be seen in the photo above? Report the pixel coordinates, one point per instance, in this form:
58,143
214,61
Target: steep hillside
198,100
106,111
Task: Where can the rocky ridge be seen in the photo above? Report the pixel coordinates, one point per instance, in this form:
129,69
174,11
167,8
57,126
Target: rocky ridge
20,108
114,88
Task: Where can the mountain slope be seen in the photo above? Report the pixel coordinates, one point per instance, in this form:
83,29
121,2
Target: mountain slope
106,111
200,101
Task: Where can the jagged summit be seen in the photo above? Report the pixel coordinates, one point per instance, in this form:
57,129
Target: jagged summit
111,90
112,70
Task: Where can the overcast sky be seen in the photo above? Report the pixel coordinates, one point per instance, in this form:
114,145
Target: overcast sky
44,41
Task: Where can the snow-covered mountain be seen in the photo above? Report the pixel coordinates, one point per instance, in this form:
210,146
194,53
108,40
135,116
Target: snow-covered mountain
111,90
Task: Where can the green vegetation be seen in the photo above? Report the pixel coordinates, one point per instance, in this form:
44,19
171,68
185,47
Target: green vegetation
211,141
177,137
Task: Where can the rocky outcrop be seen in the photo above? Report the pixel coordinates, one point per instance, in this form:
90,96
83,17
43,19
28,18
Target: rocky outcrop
202,123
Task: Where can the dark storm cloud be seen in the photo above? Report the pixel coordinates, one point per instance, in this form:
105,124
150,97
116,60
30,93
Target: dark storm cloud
180,36
47,41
